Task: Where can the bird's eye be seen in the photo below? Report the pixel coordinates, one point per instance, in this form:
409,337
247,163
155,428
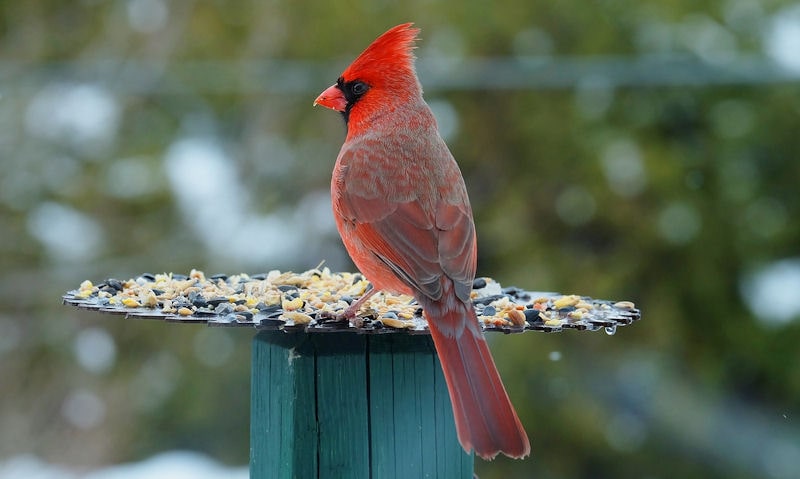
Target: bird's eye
359,88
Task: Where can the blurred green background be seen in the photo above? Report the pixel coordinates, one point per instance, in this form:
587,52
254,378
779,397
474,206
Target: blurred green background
621,150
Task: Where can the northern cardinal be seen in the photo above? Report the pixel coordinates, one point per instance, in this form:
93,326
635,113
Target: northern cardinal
402,211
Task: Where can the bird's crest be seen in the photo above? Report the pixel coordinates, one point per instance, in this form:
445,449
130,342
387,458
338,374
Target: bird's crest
390,54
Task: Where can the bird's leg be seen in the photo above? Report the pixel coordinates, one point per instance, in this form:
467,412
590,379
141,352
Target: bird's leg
350,313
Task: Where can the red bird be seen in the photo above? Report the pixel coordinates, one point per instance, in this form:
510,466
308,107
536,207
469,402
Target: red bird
402,211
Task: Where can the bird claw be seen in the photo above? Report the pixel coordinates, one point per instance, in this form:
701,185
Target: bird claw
349,315
357,322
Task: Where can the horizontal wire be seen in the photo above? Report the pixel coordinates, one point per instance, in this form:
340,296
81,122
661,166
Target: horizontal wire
289,77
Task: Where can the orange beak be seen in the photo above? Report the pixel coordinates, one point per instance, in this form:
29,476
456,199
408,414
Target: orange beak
332,98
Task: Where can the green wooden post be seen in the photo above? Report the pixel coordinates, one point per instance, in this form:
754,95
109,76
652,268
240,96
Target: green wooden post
334,405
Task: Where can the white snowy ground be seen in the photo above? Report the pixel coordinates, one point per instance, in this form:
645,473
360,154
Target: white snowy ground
168,465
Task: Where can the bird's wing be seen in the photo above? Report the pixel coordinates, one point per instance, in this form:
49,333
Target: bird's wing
421,237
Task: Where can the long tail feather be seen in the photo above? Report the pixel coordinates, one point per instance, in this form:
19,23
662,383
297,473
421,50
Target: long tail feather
485,419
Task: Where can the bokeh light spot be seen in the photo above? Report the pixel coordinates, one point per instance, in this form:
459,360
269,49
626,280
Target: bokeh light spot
623,167
771,292
67,234
95,350
83,409
679,223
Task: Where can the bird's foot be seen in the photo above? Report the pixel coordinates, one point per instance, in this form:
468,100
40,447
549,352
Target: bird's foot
350,313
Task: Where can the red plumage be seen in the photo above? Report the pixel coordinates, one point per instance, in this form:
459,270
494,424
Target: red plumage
402,211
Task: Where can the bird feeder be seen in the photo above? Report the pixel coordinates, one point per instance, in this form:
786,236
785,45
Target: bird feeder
332,398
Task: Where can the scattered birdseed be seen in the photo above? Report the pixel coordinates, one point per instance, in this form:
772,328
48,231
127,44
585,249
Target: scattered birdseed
396,323
582,304
516,317
566,301
624,305
577,314
297,318
316,300
131,303
292,304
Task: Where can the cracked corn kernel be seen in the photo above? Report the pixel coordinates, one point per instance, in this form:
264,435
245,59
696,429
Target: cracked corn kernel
148,299
84,293
291,305
577,314
251,301
566,301
396,323
358,289
297,317
131,303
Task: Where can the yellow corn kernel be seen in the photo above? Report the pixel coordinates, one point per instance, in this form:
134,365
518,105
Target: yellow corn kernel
291,305
131,303
296,317
566,301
